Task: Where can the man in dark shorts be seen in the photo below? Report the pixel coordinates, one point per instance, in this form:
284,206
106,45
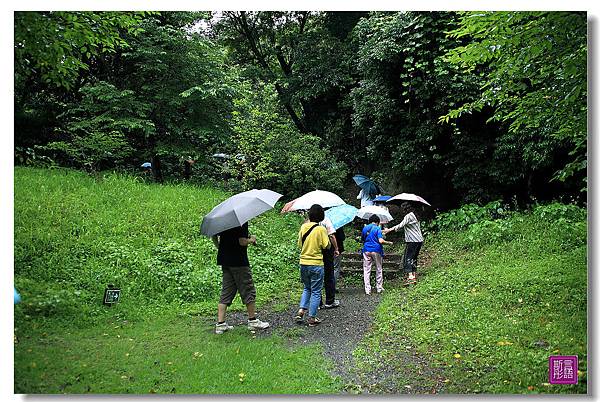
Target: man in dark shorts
237,277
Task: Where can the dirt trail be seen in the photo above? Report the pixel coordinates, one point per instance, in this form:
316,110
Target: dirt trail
341,331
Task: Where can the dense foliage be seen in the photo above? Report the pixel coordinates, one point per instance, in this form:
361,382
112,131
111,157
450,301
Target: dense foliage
457,107
276,154
536,81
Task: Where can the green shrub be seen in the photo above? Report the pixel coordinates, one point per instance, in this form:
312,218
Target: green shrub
560,213
469,214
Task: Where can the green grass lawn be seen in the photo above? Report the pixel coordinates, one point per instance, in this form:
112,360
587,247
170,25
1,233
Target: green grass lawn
74,234
491,313
165,354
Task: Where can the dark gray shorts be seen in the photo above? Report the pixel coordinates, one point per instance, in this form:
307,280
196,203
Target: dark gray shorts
237,279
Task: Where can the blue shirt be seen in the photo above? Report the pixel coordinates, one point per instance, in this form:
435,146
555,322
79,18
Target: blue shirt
370,236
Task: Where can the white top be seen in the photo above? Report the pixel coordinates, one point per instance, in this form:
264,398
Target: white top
328,225
412,229
365,198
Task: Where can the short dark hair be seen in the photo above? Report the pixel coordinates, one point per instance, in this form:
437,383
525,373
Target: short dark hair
406,207
374,219
316,213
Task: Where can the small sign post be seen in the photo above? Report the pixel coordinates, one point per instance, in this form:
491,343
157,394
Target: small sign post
111,295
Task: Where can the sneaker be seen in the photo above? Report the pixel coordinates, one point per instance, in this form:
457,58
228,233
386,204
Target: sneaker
380,290
299,317
336,303
313,321
220,328
257,324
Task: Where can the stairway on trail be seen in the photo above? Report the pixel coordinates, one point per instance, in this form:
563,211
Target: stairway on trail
353,262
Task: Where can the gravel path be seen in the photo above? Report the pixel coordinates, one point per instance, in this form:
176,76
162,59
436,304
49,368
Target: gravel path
341,331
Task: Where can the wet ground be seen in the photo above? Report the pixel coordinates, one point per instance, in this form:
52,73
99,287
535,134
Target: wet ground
342,329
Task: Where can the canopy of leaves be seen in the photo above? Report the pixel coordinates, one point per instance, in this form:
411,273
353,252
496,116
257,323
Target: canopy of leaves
54,46
536,81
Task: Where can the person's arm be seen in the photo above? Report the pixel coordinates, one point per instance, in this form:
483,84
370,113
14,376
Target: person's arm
381,239
336,250
398,226
388,230
360,194
215,240
246,241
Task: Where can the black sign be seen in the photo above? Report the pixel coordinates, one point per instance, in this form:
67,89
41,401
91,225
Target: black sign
111,296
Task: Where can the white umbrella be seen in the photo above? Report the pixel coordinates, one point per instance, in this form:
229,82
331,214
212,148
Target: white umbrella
323,198
408,197
370,210
237,210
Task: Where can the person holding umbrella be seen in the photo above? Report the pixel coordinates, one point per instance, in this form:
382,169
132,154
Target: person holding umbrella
312,240
413,239
227,225
329,256
339,216
368,189
232,255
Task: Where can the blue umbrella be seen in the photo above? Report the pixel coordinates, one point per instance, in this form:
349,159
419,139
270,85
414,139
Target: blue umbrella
341,215
382,198
146,165
366,184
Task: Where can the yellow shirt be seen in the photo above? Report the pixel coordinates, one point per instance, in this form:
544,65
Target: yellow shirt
311,251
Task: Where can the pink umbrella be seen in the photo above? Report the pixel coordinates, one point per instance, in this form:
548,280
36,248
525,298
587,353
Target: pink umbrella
408,197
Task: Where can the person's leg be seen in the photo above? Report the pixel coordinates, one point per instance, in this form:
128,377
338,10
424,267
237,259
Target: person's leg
413,254
316,285
337,265
228,291
305,298
405,265
251,308
221,310
367,261
245,284
410,260
379,273
329,283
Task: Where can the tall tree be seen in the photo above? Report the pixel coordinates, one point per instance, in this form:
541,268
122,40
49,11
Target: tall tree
536,81
54,46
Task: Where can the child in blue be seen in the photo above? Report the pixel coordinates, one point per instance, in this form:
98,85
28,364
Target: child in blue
372,251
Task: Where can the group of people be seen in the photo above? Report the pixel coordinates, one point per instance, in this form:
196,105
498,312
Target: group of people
321,246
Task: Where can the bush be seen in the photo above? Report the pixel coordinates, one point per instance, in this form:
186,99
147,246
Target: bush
469,214
560,213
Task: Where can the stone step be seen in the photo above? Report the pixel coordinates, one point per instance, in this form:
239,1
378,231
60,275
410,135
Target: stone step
353,256
357,266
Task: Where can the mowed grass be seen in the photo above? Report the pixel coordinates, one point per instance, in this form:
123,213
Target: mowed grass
166,355
490,313
75,234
